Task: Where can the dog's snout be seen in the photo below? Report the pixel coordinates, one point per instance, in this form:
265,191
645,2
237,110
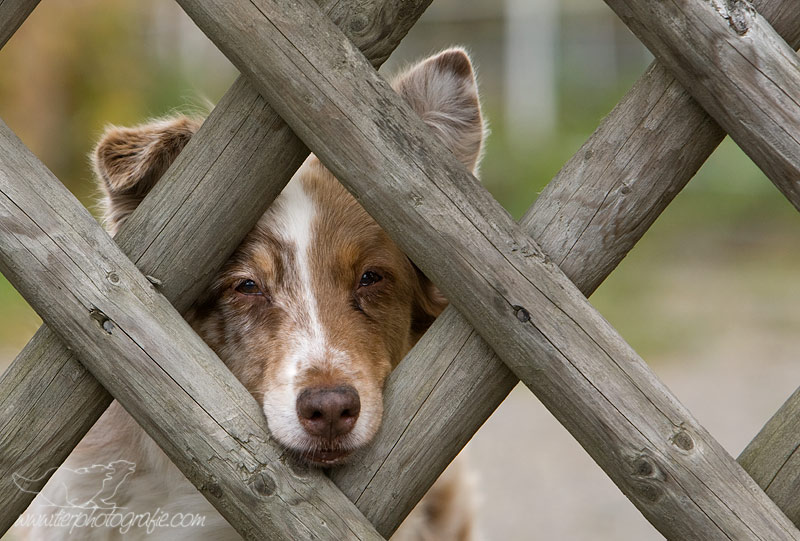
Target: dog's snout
328,412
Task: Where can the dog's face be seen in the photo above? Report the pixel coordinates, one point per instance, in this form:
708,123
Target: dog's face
317,305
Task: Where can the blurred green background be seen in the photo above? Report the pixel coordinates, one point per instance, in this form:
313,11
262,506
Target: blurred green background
714,279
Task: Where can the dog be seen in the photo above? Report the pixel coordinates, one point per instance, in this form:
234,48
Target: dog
311,313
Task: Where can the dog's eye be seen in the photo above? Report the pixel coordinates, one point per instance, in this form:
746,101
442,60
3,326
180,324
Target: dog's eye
249,287
369,278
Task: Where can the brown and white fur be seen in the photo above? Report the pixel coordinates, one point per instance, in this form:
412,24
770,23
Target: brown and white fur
311,313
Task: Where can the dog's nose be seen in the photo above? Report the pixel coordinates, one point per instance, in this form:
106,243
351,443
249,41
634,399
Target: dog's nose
328,411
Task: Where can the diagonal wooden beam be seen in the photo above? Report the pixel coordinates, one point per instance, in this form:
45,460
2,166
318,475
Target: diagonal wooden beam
182,232
773,457
12,14
520,302
742,72
729,58
140,348
587,219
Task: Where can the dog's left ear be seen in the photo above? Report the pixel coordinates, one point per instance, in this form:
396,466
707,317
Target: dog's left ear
443,92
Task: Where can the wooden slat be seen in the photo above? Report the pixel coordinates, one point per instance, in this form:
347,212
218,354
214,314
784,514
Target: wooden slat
139,347
587,219
12,14
738,68
773,457
518,299
181,233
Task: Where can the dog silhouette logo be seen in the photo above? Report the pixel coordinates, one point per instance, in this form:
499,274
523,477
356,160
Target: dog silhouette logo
103,482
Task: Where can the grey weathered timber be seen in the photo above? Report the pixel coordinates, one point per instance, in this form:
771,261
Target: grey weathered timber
12,14
773,457
586,219
737,67
182,232
139,347
517,298
226,177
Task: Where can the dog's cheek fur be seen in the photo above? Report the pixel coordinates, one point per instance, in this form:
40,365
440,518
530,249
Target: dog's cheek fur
245,334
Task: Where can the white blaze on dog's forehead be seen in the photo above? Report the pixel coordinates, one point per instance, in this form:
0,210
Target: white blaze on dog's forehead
294,225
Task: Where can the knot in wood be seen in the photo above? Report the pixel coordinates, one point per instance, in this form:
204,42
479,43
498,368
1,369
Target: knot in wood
682,440
647,478
113,278
649,492
738,13
358,23
643,467
103,320
522,314
263,484
212,488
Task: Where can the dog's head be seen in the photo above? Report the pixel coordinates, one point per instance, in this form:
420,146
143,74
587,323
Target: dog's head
317,304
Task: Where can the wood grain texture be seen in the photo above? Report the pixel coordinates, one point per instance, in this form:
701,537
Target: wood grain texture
586,219
139,347
773,458
515,296
748,78
737,67
182,233
12,14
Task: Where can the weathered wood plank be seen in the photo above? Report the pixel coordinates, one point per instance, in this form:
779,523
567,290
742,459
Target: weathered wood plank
518,299
586,219
773,457
741,71
738,68
139,347
12,14
182,232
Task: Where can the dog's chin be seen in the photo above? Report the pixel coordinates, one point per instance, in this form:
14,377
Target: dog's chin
322,456
327,458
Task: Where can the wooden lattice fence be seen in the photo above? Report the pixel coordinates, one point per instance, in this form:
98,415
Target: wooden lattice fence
517,290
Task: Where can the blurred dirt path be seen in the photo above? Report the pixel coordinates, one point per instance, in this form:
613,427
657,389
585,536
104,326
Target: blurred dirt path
537,483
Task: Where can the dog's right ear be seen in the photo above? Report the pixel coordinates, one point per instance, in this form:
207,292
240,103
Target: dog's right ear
443,91
129,161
